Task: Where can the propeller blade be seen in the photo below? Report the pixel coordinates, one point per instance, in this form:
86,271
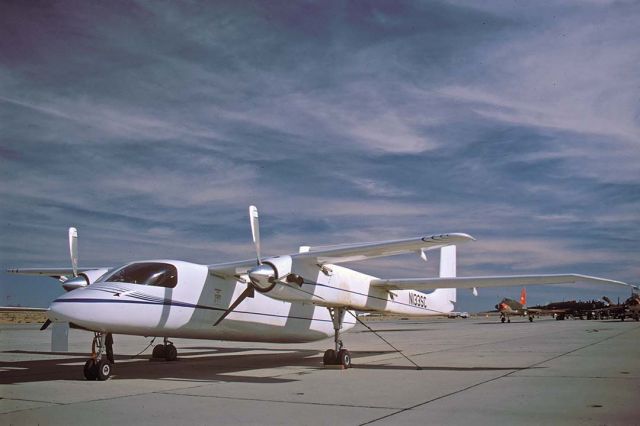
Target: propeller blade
73,249
255,230
45,325
248,292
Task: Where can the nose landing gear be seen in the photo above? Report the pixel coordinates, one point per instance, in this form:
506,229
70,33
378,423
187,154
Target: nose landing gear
100,365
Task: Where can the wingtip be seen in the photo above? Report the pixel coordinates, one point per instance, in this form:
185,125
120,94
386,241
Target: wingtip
463,236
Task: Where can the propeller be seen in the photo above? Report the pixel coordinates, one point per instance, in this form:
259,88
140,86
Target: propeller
266,274
258,271
45,324
255,230
77,281
73,249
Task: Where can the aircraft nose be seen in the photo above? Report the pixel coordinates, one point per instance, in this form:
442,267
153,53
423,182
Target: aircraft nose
69,308
59,310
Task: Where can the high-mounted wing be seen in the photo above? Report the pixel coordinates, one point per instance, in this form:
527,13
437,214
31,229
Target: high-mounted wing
50,272
489,281
352,252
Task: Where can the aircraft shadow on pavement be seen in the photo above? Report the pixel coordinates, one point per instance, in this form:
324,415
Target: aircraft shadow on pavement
208,364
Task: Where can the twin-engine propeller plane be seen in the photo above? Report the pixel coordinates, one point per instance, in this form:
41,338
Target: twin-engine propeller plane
297,297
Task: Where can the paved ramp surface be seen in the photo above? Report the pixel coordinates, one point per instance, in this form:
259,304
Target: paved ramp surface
474,372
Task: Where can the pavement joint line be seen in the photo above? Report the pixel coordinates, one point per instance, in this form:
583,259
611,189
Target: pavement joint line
326,404
528,336
93,400
495,378
577,349
31,400
530,376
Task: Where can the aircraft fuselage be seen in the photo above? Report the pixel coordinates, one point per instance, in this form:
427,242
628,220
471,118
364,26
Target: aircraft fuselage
190,308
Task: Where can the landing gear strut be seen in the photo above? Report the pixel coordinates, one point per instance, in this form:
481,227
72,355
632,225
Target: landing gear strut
165,350
100,365
339,355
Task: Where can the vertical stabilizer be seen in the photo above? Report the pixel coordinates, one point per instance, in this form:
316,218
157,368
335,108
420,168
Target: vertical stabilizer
447,270
523,297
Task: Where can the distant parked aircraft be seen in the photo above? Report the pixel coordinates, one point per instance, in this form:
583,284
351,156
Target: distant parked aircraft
509,307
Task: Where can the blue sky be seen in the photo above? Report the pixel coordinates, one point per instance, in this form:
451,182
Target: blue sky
151,126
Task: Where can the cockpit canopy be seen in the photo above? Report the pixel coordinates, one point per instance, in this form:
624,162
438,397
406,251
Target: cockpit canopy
145,273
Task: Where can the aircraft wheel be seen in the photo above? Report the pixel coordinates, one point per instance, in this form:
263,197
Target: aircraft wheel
329,357
344,358
104,369
509,320
530,319
502,319
158,352
171,353
90,369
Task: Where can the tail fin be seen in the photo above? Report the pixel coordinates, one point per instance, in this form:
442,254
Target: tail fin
447,270
523,297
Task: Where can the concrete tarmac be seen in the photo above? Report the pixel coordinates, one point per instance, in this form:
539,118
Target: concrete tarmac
474,372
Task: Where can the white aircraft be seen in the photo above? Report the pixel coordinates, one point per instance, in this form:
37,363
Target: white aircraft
298,297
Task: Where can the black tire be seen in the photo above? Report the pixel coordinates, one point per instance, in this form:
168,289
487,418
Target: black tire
502,319
344,358
530,319
90,369
158,352
329,357
509,320
170,353
104,369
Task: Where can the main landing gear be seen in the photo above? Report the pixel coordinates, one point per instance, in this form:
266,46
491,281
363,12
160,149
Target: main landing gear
503,317
339,355
100,365
165,350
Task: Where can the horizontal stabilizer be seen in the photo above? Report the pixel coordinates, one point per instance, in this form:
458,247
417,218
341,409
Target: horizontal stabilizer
489,281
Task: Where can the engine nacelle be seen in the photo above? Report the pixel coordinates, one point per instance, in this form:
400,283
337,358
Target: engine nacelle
84,279
265,276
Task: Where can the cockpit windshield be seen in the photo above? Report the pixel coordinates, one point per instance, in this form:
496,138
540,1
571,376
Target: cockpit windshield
146,273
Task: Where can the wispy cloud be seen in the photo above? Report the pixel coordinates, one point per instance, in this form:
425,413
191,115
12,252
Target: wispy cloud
155,126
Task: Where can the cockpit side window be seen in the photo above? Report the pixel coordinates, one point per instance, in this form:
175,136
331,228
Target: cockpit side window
146,273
